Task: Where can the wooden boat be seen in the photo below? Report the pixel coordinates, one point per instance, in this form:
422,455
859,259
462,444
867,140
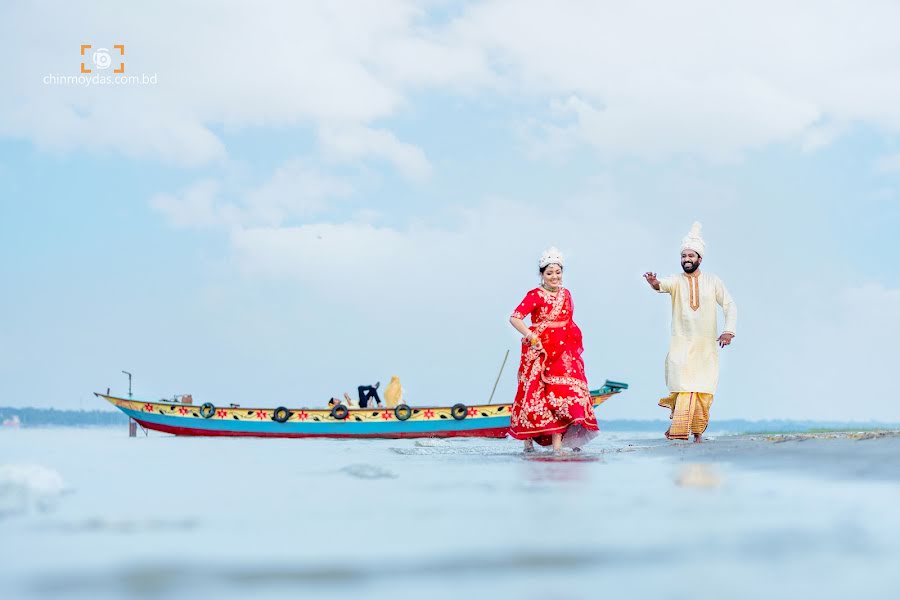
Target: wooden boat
459,420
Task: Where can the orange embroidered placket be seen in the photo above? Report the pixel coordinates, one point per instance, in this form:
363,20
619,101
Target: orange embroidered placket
694,286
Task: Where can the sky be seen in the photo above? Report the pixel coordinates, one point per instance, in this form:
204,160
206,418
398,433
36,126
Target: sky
290,199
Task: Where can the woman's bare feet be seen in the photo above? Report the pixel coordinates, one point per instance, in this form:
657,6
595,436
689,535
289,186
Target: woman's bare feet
557,442
529,446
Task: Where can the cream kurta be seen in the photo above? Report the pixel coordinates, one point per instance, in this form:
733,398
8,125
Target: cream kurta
692,364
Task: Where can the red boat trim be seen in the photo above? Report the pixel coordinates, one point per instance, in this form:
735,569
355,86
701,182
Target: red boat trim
492,432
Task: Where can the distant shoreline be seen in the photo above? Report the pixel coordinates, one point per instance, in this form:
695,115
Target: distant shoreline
44,417
51,417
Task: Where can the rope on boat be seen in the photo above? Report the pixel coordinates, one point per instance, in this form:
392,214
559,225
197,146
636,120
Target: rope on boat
498,376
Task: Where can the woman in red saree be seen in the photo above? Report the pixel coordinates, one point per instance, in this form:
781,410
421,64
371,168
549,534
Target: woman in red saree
553,404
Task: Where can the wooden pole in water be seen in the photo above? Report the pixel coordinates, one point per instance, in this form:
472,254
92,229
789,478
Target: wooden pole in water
498,376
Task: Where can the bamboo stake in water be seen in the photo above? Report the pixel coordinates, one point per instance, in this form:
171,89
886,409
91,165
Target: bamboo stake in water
498,377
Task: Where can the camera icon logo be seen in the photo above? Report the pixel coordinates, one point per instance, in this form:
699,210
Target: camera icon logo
102,59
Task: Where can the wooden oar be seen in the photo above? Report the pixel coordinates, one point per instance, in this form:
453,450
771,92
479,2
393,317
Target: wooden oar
498,376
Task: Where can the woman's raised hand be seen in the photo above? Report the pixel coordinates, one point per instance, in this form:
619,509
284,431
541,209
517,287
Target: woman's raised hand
533,340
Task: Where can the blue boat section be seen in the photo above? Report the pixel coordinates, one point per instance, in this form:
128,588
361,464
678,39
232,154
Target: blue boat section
319,427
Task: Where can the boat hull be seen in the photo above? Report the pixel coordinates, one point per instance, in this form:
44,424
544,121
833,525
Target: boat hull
489,421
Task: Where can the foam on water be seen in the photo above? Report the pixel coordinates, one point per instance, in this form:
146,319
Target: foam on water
432,443
25,488
455,450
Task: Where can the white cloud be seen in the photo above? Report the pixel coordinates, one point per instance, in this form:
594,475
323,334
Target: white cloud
134,128
269,65
195,206
706,78
688,120
430,260
350,143
821,135
339,256
888,164
295,191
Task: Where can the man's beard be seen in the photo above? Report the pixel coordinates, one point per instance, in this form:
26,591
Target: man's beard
689,269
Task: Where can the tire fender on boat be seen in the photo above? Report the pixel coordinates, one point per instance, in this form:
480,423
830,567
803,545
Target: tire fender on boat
402,412
340,412
281,414
207,409
459,411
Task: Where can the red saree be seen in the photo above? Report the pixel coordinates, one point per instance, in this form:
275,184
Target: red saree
552,395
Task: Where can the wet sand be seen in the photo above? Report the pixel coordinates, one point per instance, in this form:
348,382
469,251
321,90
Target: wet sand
866,456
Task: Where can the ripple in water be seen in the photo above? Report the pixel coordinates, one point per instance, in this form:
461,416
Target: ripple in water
364,471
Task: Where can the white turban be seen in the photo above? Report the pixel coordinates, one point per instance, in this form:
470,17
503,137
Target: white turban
693,241
551,256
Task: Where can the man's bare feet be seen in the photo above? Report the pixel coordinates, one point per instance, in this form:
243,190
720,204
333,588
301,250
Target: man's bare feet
698,438
669,436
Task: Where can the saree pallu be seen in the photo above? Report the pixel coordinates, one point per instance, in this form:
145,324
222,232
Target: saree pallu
552,394
690,413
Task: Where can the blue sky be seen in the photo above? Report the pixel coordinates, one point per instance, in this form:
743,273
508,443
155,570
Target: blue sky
355,192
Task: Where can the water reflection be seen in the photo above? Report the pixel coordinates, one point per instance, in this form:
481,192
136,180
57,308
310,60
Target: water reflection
699,475
544,466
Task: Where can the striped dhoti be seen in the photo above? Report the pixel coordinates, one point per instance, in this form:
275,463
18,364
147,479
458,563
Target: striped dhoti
690,413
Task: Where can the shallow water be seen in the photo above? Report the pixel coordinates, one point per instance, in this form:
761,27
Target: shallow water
161,516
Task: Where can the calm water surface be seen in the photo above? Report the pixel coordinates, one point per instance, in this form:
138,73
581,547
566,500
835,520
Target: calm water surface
91,513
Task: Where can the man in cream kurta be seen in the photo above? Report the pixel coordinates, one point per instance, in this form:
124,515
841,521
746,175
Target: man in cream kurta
692,365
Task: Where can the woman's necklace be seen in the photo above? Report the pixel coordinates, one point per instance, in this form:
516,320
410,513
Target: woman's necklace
550,289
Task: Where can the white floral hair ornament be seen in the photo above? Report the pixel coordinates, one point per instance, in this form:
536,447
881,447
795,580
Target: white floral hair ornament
551,256
693,241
